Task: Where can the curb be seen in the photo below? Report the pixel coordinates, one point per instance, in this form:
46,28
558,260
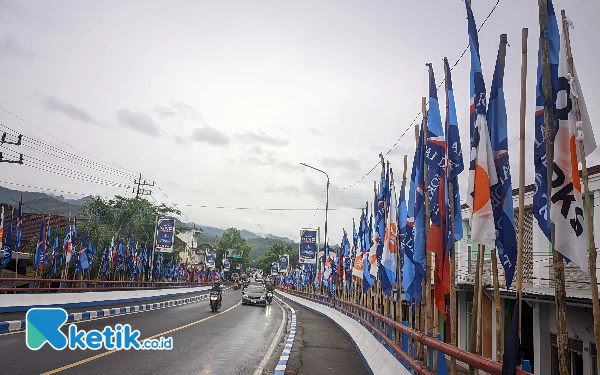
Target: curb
287,349
19,325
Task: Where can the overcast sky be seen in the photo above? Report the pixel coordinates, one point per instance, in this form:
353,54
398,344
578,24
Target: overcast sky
219,102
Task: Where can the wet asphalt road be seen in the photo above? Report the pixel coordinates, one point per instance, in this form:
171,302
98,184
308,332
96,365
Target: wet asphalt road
232,341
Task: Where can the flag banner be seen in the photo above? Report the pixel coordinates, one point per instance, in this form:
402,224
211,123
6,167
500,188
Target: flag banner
226,265
211,252
7,244
283,262
40,250
482,170
308,246
540,195
501,193
165,236
435,159
390,252
274,270
566,209
210,261
454,158
2,227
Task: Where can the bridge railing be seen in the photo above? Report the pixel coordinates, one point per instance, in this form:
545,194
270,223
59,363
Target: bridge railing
402,339
40,285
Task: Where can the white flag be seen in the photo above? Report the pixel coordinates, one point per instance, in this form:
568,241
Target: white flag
566,210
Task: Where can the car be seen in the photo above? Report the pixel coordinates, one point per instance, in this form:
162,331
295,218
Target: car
254,295
235,276
258,279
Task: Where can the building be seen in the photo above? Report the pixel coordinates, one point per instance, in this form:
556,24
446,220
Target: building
538,335
193,253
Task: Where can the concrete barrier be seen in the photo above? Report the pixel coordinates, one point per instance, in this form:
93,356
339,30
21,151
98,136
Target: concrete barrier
376,357
23,302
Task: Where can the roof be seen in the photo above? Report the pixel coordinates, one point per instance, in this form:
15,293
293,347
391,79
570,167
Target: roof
531,187
31,224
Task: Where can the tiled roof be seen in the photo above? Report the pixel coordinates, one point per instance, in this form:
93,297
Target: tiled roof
31,224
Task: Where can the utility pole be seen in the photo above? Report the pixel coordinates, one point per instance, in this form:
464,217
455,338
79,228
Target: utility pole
3,141
139,191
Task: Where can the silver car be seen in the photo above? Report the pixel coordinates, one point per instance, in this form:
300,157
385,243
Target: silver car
254,295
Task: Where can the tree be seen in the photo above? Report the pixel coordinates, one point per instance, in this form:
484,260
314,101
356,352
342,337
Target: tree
274,252
232,239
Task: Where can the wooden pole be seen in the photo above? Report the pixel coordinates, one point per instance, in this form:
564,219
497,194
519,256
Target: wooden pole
453,312
559,268
475,310
418,321
521,224
497,309
586,193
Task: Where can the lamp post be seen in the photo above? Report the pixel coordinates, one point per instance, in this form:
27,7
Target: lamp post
326,199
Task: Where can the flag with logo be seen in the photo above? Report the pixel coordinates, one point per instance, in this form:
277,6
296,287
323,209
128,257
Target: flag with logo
389,257
566,210
540,195
7,244
482,170
501,193
435,158
455,164
40,249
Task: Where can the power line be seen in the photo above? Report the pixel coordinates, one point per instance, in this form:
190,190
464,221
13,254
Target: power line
67,154
317,210
418,114
60,140
13,199
266,209
41,188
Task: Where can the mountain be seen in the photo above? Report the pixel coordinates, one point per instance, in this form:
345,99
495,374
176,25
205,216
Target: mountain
42,202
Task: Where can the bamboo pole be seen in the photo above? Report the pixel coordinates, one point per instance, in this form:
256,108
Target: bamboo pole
497,309
586,192
453,312
418,316
521,224
399,287
480,302
475,310
559,268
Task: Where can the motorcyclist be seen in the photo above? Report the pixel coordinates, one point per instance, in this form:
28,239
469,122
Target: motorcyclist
217,288
269,287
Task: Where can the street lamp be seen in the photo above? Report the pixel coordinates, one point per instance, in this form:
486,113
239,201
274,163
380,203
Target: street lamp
327,196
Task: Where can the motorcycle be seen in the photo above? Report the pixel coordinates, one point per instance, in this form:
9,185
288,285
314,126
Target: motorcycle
215,301
236,286
269,297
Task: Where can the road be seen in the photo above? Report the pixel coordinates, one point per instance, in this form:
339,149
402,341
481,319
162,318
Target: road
232,341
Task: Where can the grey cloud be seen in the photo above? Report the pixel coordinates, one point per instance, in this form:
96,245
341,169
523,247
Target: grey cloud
164,111
68,109
272,159
138,121
10,45
261,137
350,164
287,189
207,134
315,131
350,198
187,111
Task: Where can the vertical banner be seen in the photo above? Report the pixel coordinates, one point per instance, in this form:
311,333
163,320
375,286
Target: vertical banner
211,256
226,265
274,269
283,262
165,235
308,246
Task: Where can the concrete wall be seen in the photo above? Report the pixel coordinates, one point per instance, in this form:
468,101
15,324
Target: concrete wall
23,302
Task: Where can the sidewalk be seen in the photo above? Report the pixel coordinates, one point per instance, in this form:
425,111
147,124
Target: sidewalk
320,347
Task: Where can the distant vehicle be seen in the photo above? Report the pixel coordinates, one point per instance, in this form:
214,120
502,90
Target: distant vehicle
258,278
235,276
243,275
254,295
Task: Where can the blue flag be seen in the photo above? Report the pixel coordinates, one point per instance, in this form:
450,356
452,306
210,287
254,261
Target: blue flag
454,158
501,193
19,226
419,257
40,250
540,196
7,245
